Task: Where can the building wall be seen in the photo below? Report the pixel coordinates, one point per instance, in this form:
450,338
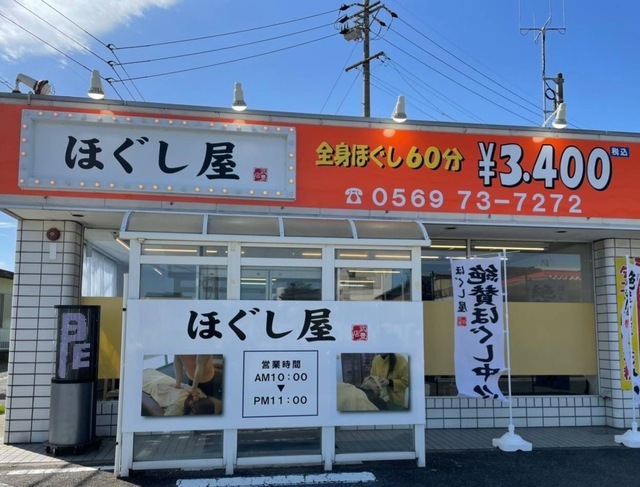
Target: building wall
46,274
617,402
47,277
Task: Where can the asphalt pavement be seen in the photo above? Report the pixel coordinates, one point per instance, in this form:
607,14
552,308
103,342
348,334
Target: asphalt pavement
586,467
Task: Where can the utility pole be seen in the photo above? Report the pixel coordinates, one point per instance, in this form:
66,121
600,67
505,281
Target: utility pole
366,68
361,31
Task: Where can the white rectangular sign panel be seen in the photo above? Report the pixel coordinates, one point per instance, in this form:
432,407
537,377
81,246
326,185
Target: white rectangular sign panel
132,154
293,363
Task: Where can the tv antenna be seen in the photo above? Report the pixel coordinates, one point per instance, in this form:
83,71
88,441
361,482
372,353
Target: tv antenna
548,92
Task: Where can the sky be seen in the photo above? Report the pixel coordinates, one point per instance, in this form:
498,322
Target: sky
462,61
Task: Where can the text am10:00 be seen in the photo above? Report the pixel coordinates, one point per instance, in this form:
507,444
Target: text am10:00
280,377
481,200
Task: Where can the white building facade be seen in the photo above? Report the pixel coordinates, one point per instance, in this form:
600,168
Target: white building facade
174,208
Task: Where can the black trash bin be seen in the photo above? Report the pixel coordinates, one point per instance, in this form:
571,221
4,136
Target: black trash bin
74,385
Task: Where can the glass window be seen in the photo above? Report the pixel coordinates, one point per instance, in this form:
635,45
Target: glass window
536,271
165,223
100,275
184,250
316,227
281,252
373,284
376,254
545,271
243,225
436,268
521,385
105,263
281,283
183,281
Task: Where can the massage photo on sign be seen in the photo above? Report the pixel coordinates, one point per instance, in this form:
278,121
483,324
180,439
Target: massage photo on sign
182,385
373,382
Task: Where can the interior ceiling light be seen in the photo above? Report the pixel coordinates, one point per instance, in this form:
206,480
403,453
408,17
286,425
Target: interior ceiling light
497,247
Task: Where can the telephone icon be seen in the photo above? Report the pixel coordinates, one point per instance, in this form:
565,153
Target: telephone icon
354,196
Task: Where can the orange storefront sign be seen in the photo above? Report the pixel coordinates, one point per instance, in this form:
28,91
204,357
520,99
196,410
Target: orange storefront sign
428,171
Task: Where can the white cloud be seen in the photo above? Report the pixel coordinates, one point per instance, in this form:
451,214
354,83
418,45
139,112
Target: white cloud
9,225
96,17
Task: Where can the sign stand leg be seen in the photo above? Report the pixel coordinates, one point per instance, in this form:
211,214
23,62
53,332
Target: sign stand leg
328,447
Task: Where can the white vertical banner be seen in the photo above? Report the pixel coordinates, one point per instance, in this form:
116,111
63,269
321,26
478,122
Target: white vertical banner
479,326
627,326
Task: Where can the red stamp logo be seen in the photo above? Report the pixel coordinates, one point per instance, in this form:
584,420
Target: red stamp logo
260,174
461,321
359,333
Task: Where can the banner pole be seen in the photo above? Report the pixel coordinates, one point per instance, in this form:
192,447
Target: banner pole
503,259
510,441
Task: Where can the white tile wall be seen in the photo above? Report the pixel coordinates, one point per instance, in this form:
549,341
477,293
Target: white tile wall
526,411
38,288
614,410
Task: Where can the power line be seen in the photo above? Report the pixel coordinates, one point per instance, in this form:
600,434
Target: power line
60,31
463,74
6,83
103,44
78,26
165,43
353,81
467,64
431,89
460,84
418,17
260,41
338,78
45,42
166,73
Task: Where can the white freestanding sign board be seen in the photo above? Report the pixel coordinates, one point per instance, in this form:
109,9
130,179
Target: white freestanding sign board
280,358
282,364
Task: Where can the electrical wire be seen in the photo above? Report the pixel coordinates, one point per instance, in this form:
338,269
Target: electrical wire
45,42
260,41
103,44
346,94
78,26
404,73
464,74
387,88
430,28
468,65
6,83
459,84
196,68
338,78
166,43
60,31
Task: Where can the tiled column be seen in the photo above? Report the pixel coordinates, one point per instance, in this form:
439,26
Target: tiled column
617,402
47,273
